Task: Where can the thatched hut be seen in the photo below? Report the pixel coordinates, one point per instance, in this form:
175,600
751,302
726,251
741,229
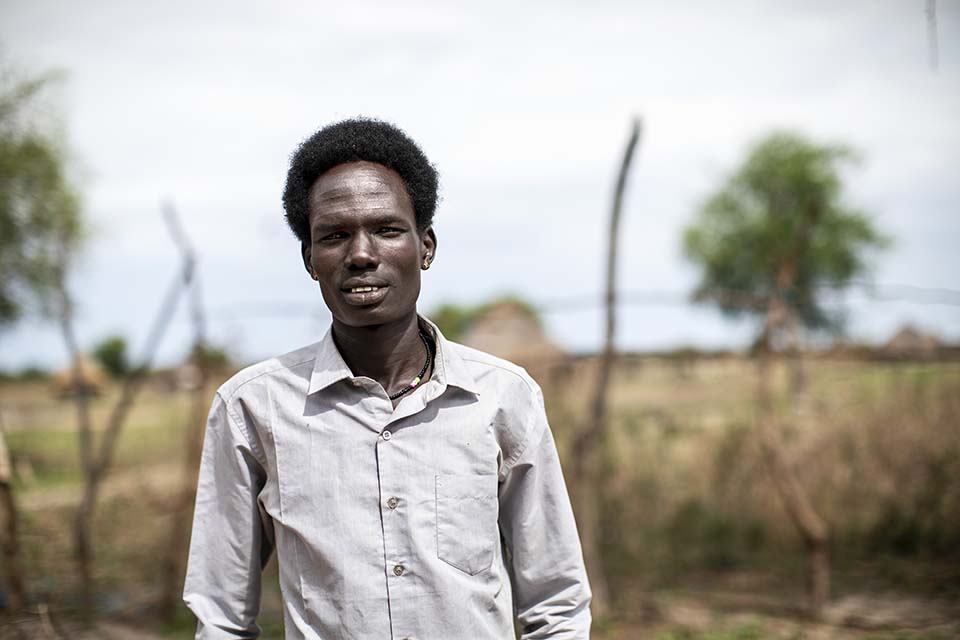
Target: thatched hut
909,343
512,331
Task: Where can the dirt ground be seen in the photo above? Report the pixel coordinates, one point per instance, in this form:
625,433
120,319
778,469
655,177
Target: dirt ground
664,616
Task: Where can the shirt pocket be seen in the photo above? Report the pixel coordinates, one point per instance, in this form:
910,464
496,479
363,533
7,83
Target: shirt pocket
467,531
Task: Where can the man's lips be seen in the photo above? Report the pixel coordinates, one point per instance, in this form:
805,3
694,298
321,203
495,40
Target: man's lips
356,284
364,294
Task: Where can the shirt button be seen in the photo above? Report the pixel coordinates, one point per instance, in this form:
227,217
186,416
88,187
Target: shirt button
398,569
392,503
386,434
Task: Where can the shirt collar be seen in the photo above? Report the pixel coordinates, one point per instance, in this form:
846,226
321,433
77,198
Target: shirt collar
450,368
329,366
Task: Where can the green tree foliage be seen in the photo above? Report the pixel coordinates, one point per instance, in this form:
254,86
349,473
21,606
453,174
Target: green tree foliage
29,373
39,209
747,230
112,354
453,319
211,357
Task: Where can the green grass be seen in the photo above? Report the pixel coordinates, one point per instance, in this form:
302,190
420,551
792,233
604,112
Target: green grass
53,453
742,632
756,631
912,635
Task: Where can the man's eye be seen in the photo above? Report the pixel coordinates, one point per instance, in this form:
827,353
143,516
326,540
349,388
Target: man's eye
390,231
331,236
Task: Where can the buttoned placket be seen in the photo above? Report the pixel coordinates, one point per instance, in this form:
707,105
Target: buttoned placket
394,520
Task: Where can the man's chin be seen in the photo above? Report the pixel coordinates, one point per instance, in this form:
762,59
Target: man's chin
373,316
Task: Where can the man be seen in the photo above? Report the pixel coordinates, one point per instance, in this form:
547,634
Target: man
410,485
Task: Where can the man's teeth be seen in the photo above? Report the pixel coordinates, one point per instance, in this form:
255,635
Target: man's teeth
363,289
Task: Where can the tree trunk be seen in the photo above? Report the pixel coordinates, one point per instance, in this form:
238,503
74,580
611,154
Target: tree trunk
798,374
96,461
589,443
10,517
811,526
83,550
813,529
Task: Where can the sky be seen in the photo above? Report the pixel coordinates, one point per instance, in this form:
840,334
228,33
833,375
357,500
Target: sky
524,108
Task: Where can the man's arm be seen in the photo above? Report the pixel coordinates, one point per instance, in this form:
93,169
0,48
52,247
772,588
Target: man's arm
551,593
231,539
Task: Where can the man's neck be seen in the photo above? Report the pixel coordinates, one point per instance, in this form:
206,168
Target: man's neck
392,354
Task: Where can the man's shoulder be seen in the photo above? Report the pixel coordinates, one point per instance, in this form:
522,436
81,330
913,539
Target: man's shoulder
297,364
487,368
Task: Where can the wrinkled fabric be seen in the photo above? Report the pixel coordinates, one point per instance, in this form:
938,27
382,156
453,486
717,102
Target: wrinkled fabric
444,518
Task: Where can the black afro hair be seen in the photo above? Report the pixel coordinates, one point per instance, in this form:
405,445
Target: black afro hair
349,141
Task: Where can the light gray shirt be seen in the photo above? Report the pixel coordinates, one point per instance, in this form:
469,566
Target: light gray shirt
444,518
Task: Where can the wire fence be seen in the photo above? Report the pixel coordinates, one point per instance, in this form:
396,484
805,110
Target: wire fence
873,292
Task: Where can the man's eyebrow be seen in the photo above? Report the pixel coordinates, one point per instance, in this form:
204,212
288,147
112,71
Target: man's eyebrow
386,219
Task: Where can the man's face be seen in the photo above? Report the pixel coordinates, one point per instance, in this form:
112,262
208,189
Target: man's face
364,244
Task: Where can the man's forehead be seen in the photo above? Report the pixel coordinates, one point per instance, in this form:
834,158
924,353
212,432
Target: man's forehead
355,178
359,187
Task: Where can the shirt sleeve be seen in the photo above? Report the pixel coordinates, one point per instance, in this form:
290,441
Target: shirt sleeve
550,588
232,536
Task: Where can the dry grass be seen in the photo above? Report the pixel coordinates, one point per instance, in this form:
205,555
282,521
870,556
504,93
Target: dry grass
687,505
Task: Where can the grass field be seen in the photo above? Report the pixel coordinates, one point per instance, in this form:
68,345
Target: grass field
696,542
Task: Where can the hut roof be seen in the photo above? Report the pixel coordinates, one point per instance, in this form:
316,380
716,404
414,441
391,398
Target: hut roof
511,331
910,341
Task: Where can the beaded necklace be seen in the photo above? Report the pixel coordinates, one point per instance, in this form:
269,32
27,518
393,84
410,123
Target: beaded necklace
413,385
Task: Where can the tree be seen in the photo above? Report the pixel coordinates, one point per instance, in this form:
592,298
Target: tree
40,229
96,454
769,242
39,214
783,205
112,354
453,319
39,208
212,357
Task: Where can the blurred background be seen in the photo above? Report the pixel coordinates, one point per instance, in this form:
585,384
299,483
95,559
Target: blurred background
759,425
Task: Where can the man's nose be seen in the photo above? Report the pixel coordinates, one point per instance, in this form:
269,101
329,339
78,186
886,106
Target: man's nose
362,252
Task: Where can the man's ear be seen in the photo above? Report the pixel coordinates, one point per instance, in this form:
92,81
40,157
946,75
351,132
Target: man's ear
428,245
305,253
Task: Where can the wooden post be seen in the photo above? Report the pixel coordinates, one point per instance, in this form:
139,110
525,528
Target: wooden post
180,516
589,443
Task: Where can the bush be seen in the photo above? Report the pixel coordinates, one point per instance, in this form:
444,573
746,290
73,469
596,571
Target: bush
112,354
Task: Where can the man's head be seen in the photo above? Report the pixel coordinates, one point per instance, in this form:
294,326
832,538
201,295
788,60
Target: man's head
351,196
350,141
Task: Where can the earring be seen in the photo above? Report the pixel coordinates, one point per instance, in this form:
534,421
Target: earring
426,262
313,274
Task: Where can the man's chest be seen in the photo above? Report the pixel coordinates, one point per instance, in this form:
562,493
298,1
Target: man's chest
342,454
357,489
